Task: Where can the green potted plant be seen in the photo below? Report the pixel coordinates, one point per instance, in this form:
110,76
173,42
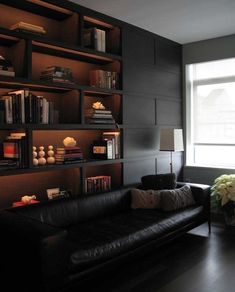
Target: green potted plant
224,191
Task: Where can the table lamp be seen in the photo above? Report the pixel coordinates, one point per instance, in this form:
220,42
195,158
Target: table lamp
171,140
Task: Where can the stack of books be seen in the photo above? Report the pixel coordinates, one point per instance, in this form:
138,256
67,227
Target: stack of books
99,116
15,149
95,38
57,74
6,164
67,155
104,79
28,28
100,183
6,67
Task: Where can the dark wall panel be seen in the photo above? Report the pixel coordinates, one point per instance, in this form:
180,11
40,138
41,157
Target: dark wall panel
152,100
168,55
152,80
138,110
138,46
163,163
140,142
169,112
134,170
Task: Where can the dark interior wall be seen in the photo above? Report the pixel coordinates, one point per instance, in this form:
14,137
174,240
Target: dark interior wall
152,100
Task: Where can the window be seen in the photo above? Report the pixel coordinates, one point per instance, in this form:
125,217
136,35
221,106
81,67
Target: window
210,114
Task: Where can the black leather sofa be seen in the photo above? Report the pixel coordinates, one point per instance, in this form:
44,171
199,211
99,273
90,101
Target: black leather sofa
53,245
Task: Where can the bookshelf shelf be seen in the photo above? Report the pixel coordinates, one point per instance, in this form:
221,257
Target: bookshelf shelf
74,53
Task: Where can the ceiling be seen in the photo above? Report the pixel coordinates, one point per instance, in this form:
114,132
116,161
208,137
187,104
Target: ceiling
183,21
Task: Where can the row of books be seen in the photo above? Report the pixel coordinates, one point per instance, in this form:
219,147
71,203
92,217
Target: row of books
28,28
22,106
104,79
108,147
67,155
15,151
57,74
97,184
99,116
95,38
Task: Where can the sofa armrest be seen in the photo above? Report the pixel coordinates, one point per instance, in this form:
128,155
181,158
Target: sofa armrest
201,193
16,226
22,243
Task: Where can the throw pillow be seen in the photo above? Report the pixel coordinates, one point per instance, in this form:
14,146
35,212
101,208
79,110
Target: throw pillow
175,199
141,199
159,181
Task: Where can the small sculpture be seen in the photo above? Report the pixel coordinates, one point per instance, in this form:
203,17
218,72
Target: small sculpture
50,153
69,142
41,154
98,105
35,160
28,199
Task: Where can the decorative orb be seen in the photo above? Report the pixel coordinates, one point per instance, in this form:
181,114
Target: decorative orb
69,142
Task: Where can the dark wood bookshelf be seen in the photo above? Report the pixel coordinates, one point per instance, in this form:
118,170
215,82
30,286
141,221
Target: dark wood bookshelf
62,45
148,96
42,8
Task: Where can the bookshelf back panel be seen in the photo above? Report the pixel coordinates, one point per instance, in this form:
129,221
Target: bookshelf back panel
56,30
16,54
64,179
113,170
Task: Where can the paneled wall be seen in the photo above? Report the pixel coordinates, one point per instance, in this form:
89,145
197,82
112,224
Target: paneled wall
152,100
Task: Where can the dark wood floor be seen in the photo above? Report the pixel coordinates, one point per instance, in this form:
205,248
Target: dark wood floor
195,262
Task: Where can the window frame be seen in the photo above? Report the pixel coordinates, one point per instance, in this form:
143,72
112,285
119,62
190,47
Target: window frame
190,90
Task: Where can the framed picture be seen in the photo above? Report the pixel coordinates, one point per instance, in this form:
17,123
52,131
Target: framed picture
51,193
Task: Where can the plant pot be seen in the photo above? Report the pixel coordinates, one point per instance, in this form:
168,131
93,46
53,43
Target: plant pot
229,219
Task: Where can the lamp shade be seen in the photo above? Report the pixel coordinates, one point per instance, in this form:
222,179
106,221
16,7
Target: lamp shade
171,140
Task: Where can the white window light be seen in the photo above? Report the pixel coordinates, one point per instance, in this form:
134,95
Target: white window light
210,114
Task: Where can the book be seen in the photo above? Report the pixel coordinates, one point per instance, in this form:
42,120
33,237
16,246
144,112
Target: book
102,149
28,27
115,138
109,121
94,38
97,111
7,73
97,183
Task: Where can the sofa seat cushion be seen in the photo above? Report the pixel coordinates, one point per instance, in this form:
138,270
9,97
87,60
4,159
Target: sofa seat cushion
97,241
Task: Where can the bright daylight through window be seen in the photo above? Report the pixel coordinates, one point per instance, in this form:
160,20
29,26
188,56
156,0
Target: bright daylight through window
210,114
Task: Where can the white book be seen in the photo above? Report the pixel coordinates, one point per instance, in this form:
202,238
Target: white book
103,41
99,39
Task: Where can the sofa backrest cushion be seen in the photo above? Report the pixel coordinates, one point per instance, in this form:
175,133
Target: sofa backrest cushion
176,199
159,181
145,199
65,212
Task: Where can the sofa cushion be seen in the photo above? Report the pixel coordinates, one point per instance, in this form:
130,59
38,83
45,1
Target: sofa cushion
97,241
177,198
159,181
145,199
